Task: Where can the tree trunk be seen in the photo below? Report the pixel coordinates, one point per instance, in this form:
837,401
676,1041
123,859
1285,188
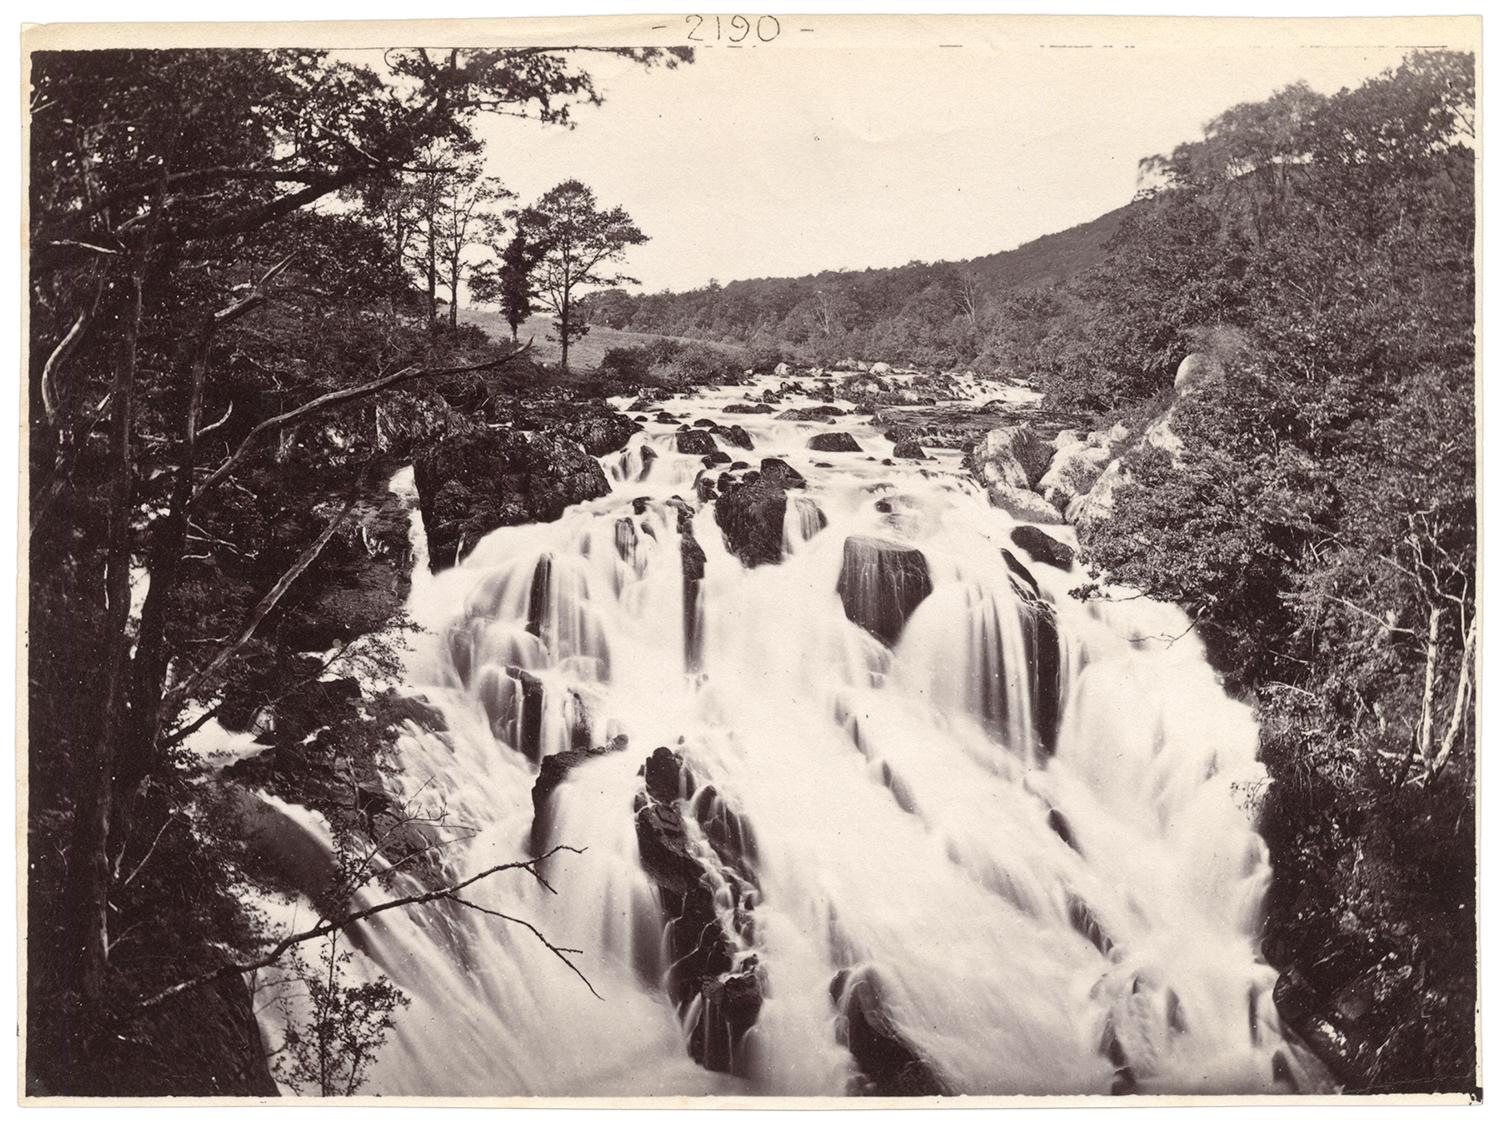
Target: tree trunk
431,274
565,325
1424,726
453,280
88,861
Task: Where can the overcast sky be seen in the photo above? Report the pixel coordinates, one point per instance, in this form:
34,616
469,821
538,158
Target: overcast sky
786,160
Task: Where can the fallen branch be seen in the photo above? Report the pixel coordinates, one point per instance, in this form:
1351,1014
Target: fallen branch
330,926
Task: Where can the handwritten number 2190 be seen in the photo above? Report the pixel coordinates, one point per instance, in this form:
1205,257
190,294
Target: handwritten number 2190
766,28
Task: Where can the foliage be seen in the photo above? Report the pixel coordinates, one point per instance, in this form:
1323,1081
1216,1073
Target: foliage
1319,519
940,314
186,295
673,364
331,1050
575,243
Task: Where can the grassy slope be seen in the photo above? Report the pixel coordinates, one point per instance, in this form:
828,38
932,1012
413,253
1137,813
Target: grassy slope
585,353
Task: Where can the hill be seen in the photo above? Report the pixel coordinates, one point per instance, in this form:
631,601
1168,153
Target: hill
945,314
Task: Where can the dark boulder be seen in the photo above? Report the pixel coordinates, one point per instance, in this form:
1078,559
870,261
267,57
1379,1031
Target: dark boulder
891,1066
910,450
836,442
471,484
705,947
751,515
554,769
599,432
820,413
737,436
748,408
731,1006
696,442
777,472
1041,547
881,583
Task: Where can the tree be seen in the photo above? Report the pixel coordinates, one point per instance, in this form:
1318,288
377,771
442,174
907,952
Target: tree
1319,518
170,195
510,284
575,242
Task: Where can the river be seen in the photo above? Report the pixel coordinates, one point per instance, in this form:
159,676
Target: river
1052,888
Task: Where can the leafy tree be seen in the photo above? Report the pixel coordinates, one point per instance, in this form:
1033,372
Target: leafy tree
190,315
576,242
1319,520
331,1051
511,284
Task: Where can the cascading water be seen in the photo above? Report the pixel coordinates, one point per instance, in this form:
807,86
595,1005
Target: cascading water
947,827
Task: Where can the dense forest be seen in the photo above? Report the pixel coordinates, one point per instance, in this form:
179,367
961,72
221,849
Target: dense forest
1319,517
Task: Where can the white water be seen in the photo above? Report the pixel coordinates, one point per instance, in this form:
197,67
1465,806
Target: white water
902,823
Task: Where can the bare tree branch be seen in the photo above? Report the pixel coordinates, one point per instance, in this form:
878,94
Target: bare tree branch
184,690
340,398
326,927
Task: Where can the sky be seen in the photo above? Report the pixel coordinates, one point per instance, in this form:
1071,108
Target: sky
835,150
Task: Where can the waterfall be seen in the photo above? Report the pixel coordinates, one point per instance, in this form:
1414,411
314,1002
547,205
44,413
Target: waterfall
923,822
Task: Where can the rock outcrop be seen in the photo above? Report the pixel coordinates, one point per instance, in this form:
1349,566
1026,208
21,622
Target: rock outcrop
1009,462
696,442
835,442
1041,547
751,511
890,1066
706,946
471,484
881,583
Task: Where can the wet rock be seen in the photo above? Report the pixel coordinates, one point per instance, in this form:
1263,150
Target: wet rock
748,408
1059,825
701,943
1041,547
667,779
1014,456
666,854
737,436
554,769
595,425
777,472
751,516
731,1006
890,1065
696,442
471,484
881,583
600,432
909,450
833,443
821,413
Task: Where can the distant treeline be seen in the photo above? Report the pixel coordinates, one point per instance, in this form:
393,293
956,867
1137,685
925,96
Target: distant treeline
985,312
